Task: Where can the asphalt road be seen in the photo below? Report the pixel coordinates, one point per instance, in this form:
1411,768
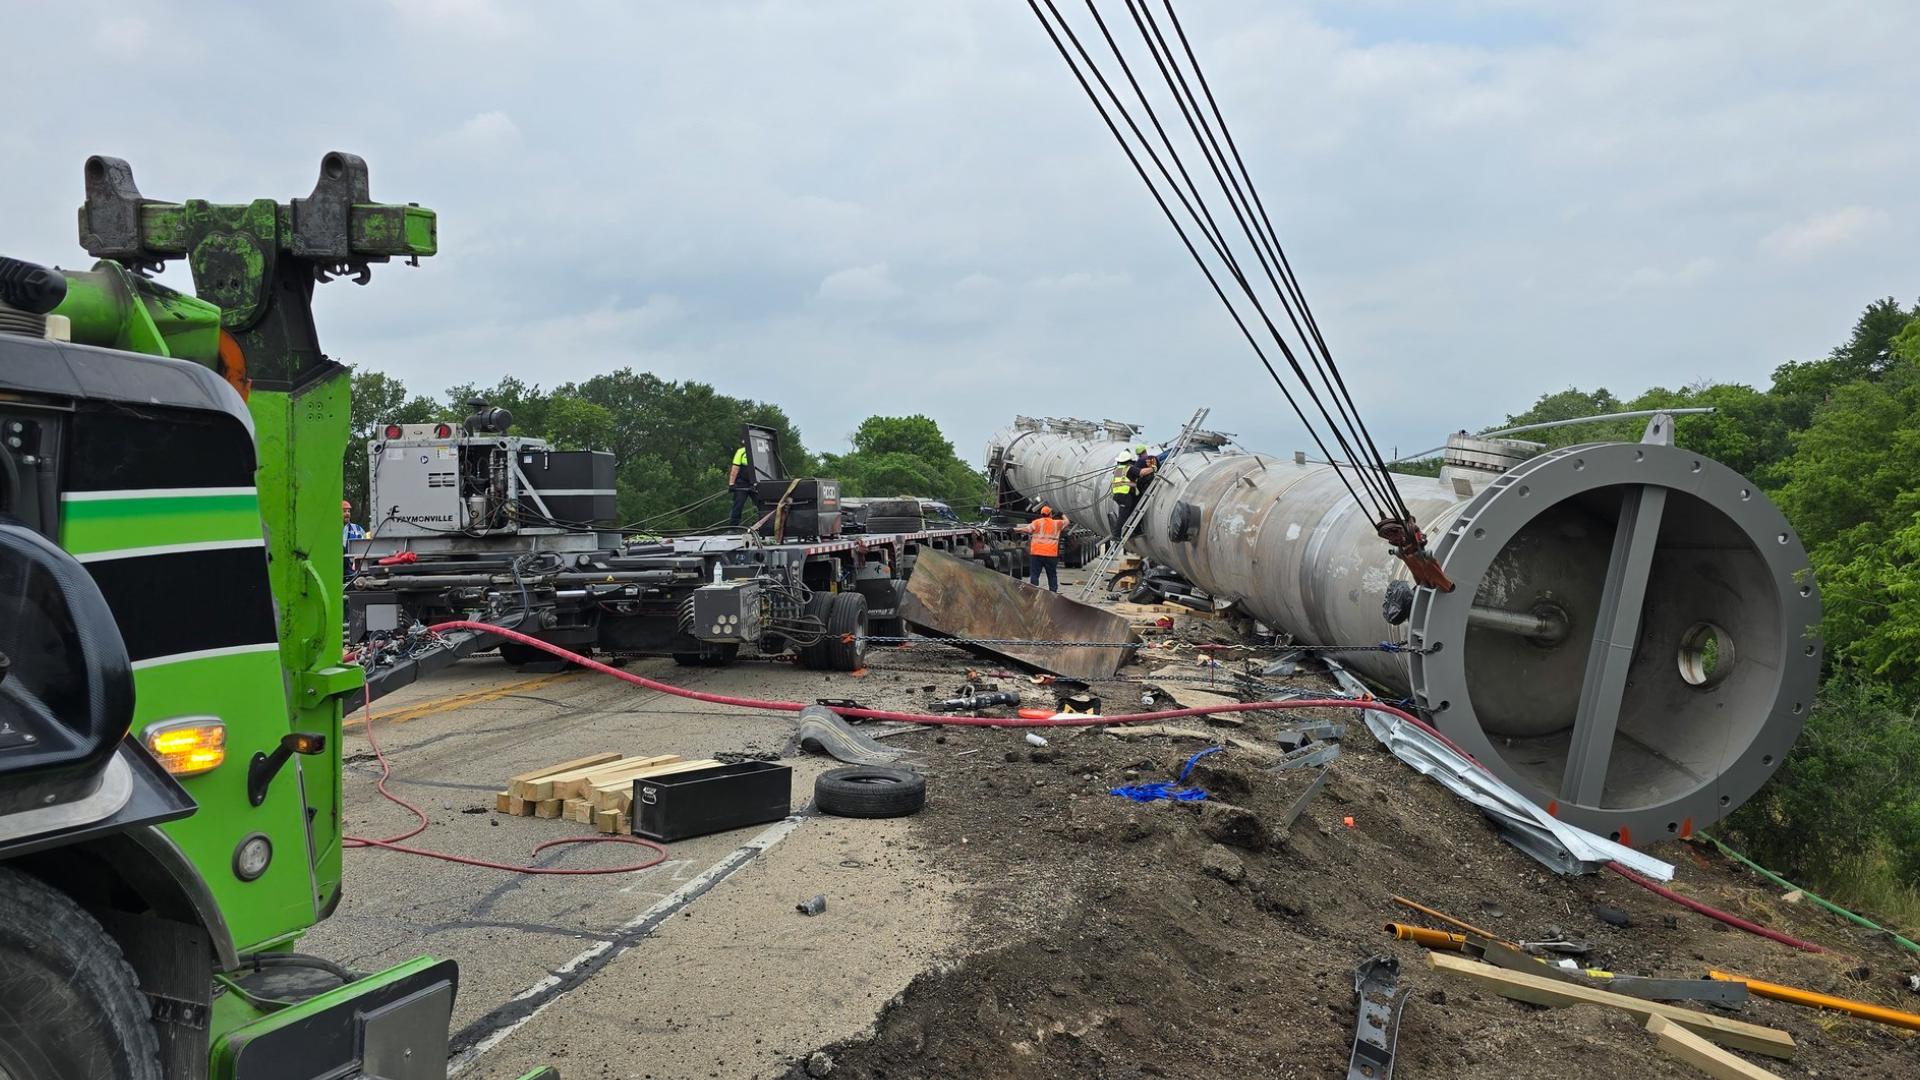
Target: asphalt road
698,967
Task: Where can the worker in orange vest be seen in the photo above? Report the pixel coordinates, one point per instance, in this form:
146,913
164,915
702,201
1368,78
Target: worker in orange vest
1043,545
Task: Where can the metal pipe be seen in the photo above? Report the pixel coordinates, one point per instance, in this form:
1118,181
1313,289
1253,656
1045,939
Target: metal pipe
1815,1000
1432,939
1547,626
1638,414
1629,644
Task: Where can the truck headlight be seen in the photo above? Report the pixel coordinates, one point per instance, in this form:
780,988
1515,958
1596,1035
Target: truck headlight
189,745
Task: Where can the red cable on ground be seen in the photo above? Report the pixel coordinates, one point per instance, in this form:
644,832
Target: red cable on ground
392,843
1026,722
1658,889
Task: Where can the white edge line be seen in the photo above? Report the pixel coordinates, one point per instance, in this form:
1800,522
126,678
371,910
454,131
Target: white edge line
204,654
170,549
154,493
679,897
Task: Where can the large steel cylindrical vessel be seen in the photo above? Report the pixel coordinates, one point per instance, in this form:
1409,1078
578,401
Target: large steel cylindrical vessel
1631,640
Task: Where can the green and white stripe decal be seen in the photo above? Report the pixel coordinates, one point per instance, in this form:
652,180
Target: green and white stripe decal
98,524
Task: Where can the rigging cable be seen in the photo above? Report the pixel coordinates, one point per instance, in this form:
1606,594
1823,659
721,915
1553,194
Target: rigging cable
1393,518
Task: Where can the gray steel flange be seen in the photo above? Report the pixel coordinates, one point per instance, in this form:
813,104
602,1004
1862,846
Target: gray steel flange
1691,656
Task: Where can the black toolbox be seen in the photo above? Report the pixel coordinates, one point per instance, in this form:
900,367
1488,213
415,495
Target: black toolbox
681,805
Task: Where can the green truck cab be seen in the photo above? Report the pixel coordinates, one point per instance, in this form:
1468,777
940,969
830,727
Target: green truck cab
171,683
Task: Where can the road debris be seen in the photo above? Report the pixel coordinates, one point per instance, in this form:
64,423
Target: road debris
959,599
812,907
822,731
1380,999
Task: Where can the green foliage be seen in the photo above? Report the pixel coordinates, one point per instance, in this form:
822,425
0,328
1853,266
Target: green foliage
1849,793
906,455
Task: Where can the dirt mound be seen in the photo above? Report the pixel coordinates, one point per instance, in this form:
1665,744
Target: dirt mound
1209,939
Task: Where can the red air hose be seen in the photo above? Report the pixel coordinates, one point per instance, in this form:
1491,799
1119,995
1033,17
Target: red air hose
1658,889
392,843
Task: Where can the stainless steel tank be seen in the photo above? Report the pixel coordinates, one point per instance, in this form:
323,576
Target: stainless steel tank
1631,640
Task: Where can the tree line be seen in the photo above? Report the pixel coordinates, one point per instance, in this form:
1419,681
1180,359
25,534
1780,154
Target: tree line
672,442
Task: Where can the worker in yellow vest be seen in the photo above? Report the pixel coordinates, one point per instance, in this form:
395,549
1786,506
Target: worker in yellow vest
1125,492
1043,545
740,483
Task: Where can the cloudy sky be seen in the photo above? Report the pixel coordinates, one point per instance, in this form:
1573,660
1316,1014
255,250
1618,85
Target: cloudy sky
864,206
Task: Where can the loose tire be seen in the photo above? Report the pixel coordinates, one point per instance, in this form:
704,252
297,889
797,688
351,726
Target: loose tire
844,646
870,791
57,962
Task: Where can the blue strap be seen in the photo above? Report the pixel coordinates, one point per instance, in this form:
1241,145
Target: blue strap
1156,790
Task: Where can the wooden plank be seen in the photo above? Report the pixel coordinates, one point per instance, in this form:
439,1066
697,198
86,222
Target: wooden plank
502,802
608,821
1684,1045
580,785
1540,990
547,808
547,787
523,784
579,810
618,795
519,807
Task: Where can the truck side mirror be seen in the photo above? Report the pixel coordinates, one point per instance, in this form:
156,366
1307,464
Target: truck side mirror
66,699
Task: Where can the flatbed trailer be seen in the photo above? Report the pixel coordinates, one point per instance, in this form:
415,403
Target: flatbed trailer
702,600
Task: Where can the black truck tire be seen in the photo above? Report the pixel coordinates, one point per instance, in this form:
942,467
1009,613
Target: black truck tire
71,1006
870,791
844,646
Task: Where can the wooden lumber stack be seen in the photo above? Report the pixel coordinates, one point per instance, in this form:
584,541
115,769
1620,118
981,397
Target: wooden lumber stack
596,790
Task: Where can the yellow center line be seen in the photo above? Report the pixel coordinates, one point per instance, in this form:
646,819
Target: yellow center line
459,701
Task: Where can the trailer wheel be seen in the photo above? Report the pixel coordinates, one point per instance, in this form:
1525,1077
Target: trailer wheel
844,646
870,791
57,964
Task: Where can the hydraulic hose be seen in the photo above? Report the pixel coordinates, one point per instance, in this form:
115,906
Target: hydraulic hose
1820,901
1711,912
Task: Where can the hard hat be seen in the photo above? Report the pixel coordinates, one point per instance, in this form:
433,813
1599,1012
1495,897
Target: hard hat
1122,457
1046,511
1140,448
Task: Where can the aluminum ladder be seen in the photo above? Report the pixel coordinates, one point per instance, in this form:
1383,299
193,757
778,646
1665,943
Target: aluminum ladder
1109,555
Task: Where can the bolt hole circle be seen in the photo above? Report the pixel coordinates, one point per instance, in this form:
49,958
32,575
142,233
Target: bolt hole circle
1639,455
1579,464
1673,827
1444,706
1706,655
1726,800
1479,534
1696,466
1524,491
1766,759
1782,538
1746,494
